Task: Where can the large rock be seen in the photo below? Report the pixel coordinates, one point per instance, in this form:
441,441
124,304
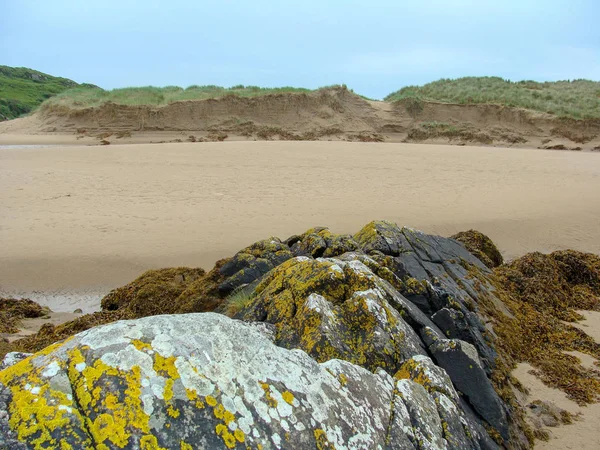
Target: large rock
332,308
384,300
205,381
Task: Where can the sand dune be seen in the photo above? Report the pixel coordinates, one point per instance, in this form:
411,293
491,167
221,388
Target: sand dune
327,114
78,221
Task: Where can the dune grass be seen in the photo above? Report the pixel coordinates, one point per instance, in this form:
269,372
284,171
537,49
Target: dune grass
150,95
577,99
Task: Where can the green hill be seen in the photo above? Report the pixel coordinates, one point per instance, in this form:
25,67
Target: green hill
22,90
578,99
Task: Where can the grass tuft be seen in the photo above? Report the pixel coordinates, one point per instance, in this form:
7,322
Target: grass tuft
237,300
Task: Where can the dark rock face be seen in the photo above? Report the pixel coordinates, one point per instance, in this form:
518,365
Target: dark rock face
252,263
460,360
390,313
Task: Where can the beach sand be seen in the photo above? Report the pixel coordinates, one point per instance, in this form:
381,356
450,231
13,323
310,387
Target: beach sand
77,221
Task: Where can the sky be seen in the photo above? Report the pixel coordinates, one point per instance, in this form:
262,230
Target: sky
374,47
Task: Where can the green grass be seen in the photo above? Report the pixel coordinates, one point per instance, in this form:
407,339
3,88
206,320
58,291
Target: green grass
578,99
237,301
22,90
88,97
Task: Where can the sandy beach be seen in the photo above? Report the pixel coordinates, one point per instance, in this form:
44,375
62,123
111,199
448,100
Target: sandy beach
77,221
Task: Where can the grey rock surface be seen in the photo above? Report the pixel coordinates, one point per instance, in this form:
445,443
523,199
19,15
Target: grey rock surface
205,381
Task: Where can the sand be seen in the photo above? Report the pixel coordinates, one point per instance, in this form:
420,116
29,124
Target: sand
77,221
28,327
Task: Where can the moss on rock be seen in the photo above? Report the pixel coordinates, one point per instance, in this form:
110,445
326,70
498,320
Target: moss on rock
333,309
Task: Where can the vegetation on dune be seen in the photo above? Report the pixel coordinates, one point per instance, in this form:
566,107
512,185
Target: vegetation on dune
84,97
22,90
577,99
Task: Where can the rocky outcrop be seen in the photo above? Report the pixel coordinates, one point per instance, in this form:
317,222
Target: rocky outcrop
205,381
393,330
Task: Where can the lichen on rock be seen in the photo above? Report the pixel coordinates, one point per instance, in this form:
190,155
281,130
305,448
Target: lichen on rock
390,338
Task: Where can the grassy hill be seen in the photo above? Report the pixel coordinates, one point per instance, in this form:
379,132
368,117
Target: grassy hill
22,90
578,99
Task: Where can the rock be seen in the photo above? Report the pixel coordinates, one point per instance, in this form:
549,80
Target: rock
252,263
10,359
334,309
383,300
78,311
455,325
320,242
433,378
382,236
205,381
461,361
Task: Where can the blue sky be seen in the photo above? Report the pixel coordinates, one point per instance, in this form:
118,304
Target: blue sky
375,47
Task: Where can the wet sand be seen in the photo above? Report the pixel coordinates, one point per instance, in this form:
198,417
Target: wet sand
76,221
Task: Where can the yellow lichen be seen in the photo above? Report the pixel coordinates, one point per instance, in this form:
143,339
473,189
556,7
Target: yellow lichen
221,413
150,443
288,397
192,395
322,443
172,412
228,438
185,446
166,366
111,401
270,400
168,391
126,416
39,414
140,345
211,400
239,435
